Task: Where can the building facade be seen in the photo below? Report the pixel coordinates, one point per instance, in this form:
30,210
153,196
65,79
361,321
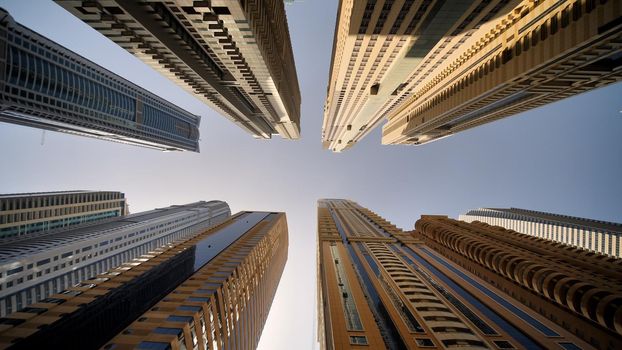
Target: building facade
576,289
211,291
594,235
31,213
34,268
47,86
540,52
383,49
236,56
383,288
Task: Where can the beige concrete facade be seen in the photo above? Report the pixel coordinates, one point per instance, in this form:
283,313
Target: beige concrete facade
579,290
540,52
384,48
382,288
234,55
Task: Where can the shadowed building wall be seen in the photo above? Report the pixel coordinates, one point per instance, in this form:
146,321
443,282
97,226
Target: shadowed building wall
46,86
380,287
577,289
236,56
212,291
597,236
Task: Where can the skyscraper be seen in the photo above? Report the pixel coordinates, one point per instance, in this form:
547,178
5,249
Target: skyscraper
211,291
579,290
47,86
540,52
236,56
35,267
382,50
388,289
597,236
29,213
434,68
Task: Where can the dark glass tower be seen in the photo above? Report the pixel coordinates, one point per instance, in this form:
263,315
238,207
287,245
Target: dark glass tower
47,86
211,291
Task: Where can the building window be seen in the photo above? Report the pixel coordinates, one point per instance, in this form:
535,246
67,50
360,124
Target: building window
502,344
424,342
358,340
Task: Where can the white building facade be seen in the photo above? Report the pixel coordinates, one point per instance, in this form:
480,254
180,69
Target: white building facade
35,268
594,235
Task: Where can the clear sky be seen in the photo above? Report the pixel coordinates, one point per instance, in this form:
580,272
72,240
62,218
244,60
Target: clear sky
565,158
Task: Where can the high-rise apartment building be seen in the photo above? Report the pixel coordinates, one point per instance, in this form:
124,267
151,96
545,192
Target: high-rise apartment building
31,213
578,290
434,68
236,56
384,288
35,267
382,49
47,86
540,52
595,235
211,291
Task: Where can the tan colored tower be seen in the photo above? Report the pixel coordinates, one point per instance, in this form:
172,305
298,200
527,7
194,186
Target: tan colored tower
234,55
577,289
541,52
432,73
383,49
212,291
388,289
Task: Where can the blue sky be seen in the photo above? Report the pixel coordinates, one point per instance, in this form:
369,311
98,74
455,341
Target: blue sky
565,158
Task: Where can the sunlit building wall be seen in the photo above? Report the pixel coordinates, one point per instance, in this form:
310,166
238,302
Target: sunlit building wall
236,56
383,288
594,235
539,53
384,49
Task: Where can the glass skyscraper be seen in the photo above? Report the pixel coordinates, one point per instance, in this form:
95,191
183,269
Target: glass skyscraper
209,291
47,86
34,267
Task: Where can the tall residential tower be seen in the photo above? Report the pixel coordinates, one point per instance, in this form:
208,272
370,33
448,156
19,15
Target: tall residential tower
234,55
384,288
30,213
434,68
212,291
34,267
597,236
381,51
47,86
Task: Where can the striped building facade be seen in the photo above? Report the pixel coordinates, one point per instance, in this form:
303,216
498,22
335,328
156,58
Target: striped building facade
594,235
235,56
383,288
32,213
